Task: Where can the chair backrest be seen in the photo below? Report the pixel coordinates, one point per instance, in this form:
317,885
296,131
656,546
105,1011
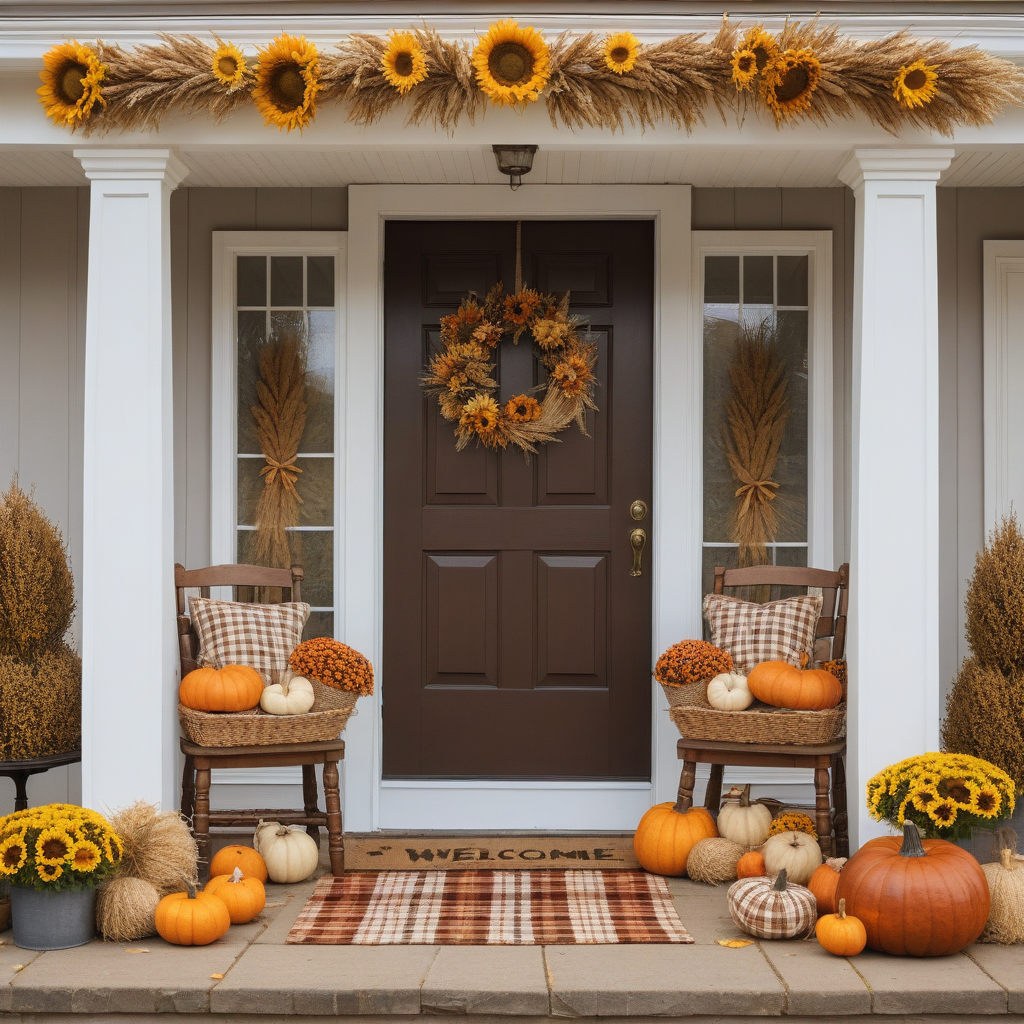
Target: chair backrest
834,586
249,582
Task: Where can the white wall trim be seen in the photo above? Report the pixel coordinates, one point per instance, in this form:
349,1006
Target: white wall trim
817,246
675,547
1002,335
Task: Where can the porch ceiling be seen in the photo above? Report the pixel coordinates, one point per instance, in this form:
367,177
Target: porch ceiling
705,166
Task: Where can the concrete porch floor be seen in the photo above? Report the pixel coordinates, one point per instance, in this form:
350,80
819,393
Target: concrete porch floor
265,978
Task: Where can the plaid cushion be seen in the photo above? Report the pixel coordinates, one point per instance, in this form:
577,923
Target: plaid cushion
752,633
761,911
262,636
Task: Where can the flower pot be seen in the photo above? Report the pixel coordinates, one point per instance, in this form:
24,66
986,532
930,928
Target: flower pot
982,842
53,920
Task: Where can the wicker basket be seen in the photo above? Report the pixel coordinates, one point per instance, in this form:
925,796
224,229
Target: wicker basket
684,696
696,719
256,728
330,698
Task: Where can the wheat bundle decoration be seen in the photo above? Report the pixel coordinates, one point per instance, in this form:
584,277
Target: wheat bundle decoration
806,71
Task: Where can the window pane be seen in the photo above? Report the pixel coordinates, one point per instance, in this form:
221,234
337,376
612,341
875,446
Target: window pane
318,624
319,432
722,279
713,557
286,280
252,280
314,551
314,485
791,471
758,286
252,331
320,281
792,280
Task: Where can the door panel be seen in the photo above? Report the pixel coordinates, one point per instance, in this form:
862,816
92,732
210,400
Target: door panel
516,644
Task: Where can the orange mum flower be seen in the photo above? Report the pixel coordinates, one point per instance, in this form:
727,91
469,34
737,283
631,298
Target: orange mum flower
691,661
333,664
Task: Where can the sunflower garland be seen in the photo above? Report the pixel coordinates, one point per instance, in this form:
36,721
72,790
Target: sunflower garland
72,78
287,81
459,375
806,71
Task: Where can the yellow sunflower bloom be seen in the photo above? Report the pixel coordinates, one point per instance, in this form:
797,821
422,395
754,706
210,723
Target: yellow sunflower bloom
287,81
763,46
13,854
53,846
85,856
744,69
49,872
404,64
943,812
924,797
621,50
72,78
573,375
481,416
789,81
915,85
512,63
988,802
522,409
229,66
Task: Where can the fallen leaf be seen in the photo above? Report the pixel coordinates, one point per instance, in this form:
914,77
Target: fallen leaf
734,943
216,977
135,949
279,903
18,967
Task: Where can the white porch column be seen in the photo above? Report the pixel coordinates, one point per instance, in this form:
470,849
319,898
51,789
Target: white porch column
129,659
893,647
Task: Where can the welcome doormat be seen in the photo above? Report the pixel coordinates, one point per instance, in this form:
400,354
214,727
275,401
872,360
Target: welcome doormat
463,852
484,908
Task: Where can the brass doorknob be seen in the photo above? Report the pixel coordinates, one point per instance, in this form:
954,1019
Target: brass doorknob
637,541
638,509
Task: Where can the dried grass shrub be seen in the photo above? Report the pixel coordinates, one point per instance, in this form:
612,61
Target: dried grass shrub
157,848
37,592
714,861
40,704
126,909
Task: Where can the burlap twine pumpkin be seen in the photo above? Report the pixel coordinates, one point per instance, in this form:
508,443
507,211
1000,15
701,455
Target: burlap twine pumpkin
1005,877
714,861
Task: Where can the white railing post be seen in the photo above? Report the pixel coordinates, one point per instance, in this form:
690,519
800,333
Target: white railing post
893,647
129,660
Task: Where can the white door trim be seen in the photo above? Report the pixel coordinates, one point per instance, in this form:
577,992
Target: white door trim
1003,340
371,804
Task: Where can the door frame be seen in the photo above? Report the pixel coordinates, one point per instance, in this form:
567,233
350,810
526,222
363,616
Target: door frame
370,802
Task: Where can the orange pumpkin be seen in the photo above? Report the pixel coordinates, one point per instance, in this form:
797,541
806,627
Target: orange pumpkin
666,835
191,919
251,864
840,934
751,865
824,883
244,897
915,898
231,688
786,686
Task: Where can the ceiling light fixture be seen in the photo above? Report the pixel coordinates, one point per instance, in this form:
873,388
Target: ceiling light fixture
515,161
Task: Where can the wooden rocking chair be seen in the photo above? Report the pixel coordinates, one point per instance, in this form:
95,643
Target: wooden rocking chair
200,761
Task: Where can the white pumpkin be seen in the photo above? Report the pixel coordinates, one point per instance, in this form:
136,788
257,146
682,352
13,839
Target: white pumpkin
743,822
728,691
291,855
797,852
293,695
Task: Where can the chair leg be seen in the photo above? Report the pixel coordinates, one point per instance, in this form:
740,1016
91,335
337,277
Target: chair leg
188,790
713,795
822,807
332,797
309,799
842,820
201,821
687,778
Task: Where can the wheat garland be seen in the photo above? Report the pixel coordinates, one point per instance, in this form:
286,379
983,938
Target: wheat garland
807,71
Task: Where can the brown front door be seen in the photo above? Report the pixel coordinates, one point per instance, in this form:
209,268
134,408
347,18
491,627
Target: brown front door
516,643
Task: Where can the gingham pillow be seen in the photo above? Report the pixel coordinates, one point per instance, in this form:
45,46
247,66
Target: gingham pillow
752,633
262,636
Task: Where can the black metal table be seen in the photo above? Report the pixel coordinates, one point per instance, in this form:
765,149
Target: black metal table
21,770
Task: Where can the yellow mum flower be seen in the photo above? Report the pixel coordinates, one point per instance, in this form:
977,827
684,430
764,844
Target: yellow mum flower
112,847
793,821
915,85
788,83
404,64
85,856
512,63
229,66
13,854
49,872
621,50
287,81
53,846
72,78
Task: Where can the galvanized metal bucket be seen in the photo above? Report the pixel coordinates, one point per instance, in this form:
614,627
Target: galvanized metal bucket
53,920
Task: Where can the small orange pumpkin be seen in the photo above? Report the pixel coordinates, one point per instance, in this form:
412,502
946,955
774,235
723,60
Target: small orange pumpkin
666,835
751,865
840,934
251,864
786,686
825,882
231,688
191,919
244,897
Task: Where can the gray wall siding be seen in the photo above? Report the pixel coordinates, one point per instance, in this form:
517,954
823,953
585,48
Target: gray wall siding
43,262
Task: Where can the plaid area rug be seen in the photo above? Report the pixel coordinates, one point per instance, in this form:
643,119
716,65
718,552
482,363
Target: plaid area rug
478,908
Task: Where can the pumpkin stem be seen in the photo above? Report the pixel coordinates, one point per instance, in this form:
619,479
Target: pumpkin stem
744,796
1006,856
283,830
841,912
780,881
236,875
911,841
190,889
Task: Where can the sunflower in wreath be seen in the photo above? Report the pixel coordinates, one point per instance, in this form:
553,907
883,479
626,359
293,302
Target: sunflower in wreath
460,375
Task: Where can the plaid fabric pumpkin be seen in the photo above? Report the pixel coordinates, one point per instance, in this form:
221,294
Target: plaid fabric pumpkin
771,908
